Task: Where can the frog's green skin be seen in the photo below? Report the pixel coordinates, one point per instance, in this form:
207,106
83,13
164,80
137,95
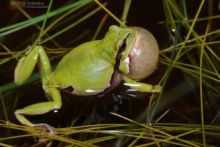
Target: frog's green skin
88,69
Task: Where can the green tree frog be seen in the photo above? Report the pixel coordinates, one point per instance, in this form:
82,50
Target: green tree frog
124,54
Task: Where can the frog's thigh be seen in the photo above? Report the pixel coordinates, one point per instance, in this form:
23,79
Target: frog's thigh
142,87
27,63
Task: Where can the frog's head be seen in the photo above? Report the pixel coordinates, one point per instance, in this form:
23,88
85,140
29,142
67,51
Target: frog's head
137,51
120,39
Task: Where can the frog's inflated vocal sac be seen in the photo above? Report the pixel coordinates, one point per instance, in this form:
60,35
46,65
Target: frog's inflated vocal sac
124,54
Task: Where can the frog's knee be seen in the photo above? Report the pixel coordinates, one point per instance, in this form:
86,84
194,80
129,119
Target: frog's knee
57,105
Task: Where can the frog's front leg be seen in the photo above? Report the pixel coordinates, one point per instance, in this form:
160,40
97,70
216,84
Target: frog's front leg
142,87
23,70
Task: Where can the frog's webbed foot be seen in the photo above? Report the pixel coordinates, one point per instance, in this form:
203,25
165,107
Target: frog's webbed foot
45,128
118,98
117,101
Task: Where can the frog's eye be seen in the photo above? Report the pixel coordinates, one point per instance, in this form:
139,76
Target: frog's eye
144,55
123,44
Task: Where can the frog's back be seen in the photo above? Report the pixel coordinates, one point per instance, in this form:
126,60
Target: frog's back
84,70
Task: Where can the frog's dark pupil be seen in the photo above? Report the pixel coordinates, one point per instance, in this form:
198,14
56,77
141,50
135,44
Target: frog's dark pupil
124,43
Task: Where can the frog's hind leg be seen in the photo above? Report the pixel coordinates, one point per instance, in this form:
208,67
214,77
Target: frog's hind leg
23,70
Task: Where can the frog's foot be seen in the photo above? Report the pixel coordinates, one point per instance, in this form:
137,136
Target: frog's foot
45,127
156,89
